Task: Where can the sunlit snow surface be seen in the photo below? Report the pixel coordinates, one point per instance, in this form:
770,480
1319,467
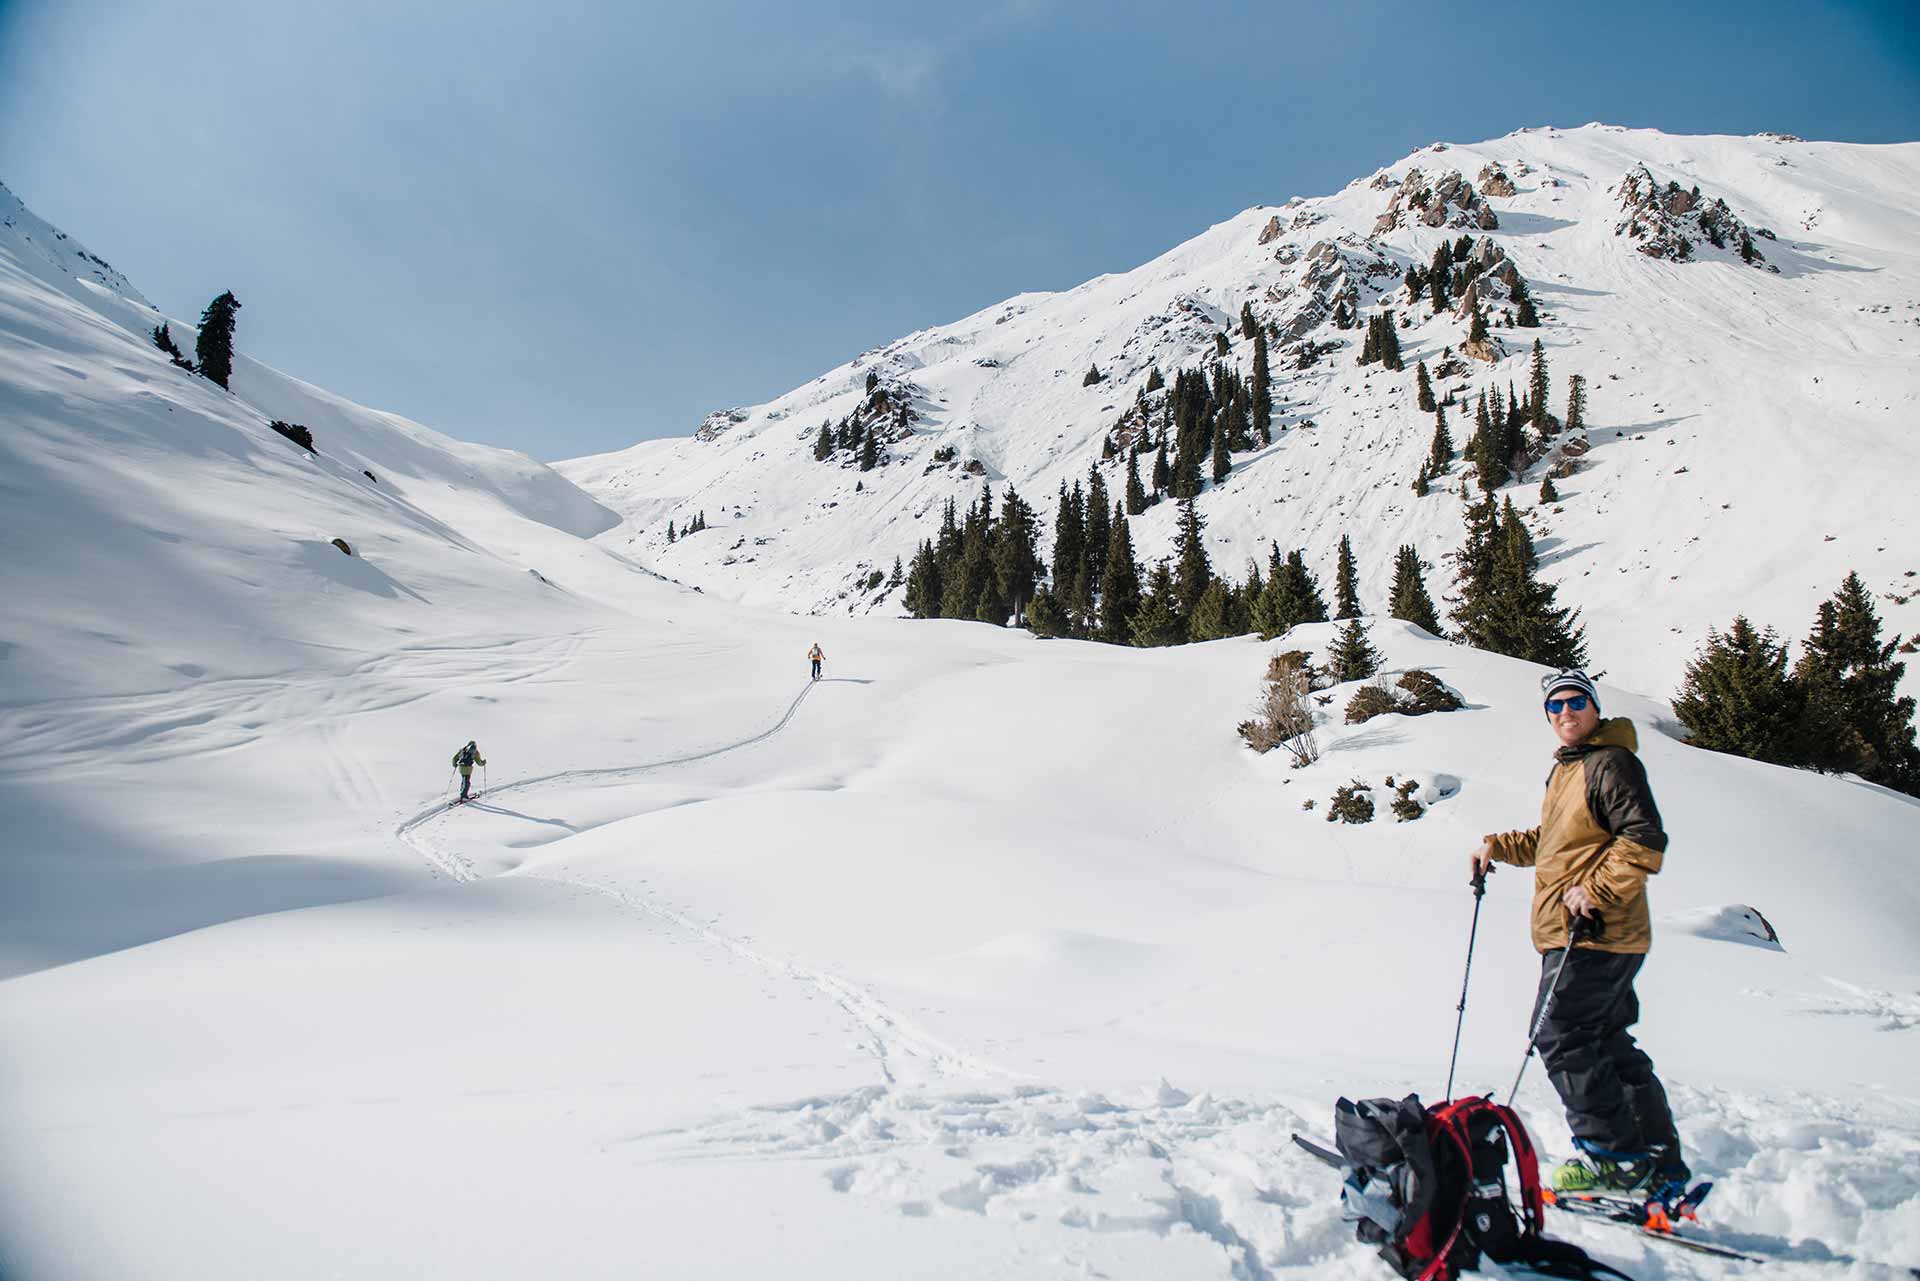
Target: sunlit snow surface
984,956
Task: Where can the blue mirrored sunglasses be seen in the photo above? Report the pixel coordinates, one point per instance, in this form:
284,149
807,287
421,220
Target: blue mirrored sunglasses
1577,702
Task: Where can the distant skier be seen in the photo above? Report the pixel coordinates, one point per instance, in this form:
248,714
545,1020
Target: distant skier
816,656
464,760
1599,839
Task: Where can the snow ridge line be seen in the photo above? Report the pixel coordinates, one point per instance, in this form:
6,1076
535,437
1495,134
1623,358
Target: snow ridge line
892,1039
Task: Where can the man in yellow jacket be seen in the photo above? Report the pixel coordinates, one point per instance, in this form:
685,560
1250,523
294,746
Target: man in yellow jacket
1599,839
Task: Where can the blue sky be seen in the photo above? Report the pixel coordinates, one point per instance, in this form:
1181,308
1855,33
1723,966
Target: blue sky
566,226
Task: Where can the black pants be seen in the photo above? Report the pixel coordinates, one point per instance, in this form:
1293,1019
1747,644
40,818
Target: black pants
816,669
466,781
1614,1101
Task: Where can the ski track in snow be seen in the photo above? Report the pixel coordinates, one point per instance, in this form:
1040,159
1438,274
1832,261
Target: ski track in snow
1793,1173
897,1045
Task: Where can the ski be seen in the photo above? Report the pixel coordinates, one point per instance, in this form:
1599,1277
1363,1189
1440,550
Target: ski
1654,1219
1320,1153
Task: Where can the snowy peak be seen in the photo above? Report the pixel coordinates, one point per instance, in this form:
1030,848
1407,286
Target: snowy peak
53,255
1704,372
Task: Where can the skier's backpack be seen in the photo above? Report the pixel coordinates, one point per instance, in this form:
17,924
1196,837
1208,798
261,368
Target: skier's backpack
1429,1188
464,756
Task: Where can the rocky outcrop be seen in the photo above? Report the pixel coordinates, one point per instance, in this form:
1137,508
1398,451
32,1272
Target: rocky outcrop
1446,201
719,423
1329,279
1493,181
1487,349
1677,224
1272,231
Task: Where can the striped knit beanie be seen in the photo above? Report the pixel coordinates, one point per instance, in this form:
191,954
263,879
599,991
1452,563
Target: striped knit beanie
1570,678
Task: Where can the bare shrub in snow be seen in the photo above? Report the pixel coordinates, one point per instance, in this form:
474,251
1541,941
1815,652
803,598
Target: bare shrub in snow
1351,804
1284,715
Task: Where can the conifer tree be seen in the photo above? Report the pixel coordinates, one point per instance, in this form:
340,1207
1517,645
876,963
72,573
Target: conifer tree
214,348
1222,451
1194,570
1504,607
823,445
1352,656
1526,317
1420,488
1477,326
1576,402
1249,327
1136,494
1440,454
1221,345
1154,381
899,574
1119,585
1424,386
1162,473
923,583
1045,617
671,536
1736,697
1016,562
1346,582
163,339
1437,289
1409,598
1851,683
1212,614
1548,494
1093,559
1262,392
1537,388
1093,376
1389,342
1069,538
869,451
1158,620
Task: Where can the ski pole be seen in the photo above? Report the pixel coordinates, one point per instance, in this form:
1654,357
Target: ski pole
1479,892
451,775
1575,928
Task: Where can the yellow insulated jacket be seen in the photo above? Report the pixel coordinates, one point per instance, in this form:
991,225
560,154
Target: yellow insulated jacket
1598,828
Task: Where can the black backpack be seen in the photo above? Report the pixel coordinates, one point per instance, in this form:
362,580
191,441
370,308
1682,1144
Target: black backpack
1428,1187
464,756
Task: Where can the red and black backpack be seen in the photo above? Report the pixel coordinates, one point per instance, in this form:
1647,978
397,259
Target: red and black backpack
1428,1187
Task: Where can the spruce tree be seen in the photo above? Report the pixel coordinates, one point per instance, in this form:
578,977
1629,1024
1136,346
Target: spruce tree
1162,473
1352,656
1420,487
1440,454
1249,327
1069,538
671,536
1045,616
1016,562
1093,560
1136,494
1409,599
214,348
899,574
1222,451
1576,402
1505,608
923,583
1194,570
1262,392
1221,345
1119,585
1424,385
1736,697
823,444
1537,388
1389,342
1212,614
1158,620
869,451
1852,683
1346,582
1154,381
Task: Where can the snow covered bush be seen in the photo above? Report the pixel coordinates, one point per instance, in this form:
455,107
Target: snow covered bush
1351,804
1416,693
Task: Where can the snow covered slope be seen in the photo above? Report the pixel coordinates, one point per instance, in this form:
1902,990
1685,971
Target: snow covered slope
169,568
1751,426
983,956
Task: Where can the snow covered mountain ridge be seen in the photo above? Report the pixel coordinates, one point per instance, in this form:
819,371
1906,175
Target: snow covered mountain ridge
1746,313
